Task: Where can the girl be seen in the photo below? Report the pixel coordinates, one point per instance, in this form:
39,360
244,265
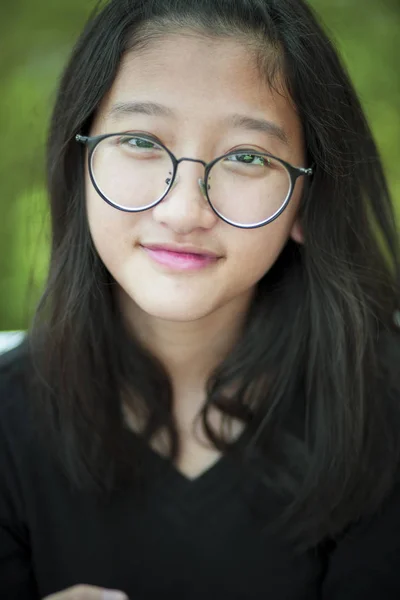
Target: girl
207,403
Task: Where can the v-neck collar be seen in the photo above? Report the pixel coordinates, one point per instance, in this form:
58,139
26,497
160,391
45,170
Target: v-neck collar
199,492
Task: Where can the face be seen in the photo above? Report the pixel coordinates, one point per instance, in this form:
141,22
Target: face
201,82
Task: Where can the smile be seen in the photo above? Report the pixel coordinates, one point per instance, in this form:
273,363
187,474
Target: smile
179,260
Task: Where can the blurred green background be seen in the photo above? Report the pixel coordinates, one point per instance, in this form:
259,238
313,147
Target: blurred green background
36,38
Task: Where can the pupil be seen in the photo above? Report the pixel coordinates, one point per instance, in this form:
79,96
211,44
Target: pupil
140,143
246,157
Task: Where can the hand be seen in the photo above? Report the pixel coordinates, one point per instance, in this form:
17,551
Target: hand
87,592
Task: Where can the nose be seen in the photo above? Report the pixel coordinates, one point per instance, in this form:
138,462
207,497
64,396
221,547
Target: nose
185,207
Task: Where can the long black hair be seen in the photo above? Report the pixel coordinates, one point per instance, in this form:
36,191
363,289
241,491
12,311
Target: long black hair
315,373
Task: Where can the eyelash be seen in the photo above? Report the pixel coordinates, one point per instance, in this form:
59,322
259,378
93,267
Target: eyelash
153,139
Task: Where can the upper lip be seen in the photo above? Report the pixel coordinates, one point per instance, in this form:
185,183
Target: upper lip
183,248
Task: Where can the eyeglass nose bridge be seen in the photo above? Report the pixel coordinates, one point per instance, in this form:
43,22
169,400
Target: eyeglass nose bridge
200,181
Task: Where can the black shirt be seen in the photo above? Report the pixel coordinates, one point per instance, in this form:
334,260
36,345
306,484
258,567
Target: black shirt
190,539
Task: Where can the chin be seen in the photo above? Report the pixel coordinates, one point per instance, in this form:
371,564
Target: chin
174,314
179,308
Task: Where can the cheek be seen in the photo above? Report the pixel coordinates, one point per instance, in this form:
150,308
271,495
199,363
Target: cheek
111,230
258,250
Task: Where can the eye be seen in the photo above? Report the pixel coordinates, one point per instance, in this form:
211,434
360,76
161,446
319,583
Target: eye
250,159
137,142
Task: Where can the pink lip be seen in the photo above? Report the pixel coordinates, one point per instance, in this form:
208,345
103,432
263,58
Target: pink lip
179,261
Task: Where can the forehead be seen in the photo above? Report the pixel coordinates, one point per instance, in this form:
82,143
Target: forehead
200,78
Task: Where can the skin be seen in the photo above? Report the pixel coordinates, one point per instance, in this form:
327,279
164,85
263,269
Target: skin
87,592
190,320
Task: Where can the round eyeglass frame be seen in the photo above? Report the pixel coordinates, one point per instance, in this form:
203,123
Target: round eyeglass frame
91,143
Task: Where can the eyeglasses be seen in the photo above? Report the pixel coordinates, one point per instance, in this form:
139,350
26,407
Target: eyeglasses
133,172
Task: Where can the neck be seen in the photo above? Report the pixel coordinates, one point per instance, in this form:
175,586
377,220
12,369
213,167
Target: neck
190,351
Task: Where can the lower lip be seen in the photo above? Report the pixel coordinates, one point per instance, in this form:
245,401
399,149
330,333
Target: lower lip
180,261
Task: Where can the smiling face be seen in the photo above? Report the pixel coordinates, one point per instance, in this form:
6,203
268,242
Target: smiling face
200,83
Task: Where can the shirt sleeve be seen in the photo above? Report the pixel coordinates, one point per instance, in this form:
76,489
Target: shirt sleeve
366,563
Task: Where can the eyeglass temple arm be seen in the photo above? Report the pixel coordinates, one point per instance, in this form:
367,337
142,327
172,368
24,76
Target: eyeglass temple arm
81,138
309,171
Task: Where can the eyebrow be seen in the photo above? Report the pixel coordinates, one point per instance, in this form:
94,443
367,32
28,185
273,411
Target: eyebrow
121,109
237,121
252,124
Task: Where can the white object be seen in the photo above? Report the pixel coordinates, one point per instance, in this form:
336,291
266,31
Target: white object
10,339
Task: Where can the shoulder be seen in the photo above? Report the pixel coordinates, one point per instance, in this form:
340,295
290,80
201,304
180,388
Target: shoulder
14,393
13,361
13,372
366,561
365,558
15,429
